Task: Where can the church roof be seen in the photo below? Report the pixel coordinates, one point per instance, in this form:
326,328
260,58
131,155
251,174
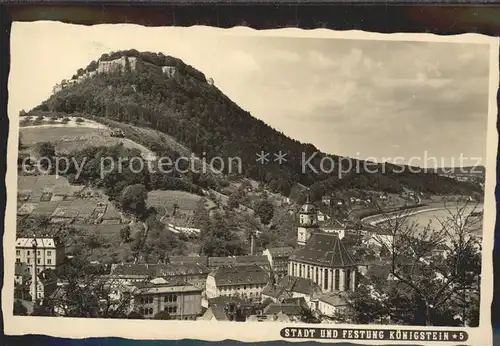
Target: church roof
308,208
324,250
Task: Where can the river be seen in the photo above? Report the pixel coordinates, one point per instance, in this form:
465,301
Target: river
433,216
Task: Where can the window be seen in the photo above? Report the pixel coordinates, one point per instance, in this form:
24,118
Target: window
18,253
337,278
244,287
347,280
49,261
18,260
28,260
325,279
174,309
174,298
38,261
38,253
27,252
49,253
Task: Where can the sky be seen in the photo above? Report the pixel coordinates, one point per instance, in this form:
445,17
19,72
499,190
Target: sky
402,101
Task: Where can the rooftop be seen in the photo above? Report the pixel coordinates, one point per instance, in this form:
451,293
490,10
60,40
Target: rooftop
325,250
41,242
289,284
218,312
240,275
284,251
216,262
287,309
333,299
158,270
169,287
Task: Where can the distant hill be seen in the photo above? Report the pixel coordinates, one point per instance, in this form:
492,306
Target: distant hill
466,170
163,93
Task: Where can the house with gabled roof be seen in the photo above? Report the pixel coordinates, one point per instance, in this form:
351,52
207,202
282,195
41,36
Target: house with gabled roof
291,287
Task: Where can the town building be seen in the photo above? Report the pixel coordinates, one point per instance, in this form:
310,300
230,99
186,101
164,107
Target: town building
45,251
246,281
326,200
329,304
325,261
193,273
308,223
182,301
278,260
44,285
215,313
22,273
231,261
282,312
291,287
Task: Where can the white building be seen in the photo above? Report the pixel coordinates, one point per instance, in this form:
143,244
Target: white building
328,304
48,252
246,281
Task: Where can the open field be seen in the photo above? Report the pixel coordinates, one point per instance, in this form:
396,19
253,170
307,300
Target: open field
165,199
51,196
69,137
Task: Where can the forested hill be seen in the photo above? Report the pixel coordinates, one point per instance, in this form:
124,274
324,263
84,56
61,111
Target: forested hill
184,104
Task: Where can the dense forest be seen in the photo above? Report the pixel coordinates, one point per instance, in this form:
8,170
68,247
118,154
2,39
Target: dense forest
202,118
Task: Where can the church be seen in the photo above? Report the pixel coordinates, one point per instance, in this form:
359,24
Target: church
321,257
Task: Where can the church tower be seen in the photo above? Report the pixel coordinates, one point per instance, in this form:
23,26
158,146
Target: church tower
308,222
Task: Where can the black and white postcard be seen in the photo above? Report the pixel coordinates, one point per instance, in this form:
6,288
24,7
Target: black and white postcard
205,183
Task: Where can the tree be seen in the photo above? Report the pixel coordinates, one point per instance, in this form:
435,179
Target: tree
162,315
218,239
264,210
201,216
19,308
45,150
20,145
91,291
42,309
133,315
428,289
125,233
133,199
233,201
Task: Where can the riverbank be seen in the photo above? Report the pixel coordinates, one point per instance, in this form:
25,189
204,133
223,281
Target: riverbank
379,218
